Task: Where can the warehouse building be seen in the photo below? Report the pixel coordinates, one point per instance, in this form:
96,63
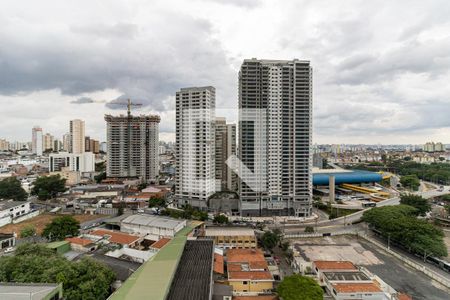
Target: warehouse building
155,226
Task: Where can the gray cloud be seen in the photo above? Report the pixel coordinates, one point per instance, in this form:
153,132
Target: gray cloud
380,68
82,100
137,62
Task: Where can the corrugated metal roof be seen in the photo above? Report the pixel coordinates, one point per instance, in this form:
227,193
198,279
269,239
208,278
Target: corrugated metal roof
153,221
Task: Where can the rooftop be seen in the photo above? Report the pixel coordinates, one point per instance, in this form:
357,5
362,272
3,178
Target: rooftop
54,245
228,231
334,265
152,280
245,255
27,291
79,241
356,287
161,243
153,221
116,237
193,275
10,204
250,275
218,263
346,276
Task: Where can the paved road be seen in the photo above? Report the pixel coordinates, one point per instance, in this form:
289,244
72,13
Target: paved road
349,219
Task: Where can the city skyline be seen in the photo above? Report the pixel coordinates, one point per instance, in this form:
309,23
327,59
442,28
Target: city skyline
379,74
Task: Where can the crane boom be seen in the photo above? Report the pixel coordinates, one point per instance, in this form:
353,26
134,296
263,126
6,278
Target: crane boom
129,104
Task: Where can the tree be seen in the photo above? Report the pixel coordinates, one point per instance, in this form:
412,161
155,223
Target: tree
46,187
418,202
100,177
270,239
10,188
297,287
85,279
28,231
61,227
411,181
399,224
156,202
309,229
220,219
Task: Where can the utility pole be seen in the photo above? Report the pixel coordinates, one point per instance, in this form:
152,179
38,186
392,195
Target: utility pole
389,241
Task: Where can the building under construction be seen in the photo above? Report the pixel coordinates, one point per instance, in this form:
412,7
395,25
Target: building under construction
132,146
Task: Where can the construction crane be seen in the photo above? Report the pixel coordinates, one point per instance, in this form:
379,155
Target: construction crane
129,104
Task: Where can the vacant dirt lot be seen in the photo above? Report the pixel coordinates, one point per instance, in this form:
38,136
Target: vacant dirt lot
40,221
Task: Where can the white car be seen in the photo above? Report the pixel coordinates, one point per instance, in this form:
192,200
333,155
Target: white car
10,249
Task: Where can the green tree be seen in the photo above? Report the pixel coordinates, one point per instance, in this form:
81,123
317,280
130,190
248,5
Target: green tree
100,167
220,219
61,227
85,279
99,177
270,239
418,202
399,223
297,287
10,188
28,231
309,229
46,187
157,202
410,181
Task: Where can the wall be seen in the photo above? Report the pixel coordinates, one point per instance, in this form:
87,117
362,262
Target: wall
252,287
136,255
26,217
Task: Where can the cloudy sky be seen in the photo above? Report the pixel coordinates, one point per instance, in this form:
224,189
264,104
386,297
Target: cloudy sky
381,68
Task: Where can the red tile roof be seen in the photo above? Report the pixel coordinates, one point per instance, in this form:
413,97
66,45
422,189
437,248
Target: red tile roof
218,264
116,237
161,243
334,265
79,241
245,255
356,287
250,275
404,297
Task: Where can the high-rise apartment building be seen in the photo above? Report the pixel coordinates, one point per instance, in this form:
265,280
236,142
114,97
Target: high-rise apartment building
275,132
132,146
48,142
36,140
225,146
4,145
76,136
66,142
195,145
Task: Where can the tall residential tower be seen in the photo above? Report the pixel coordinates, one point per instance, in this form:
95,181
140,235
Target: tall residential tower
195,145
36,141
77,136
132,146
275,132
225,147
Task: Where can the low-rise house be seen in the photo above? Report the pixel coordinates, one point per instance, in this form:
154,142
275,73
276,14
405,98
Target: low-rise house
248,272
9,210
117,237
81,244
7,240
232,237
